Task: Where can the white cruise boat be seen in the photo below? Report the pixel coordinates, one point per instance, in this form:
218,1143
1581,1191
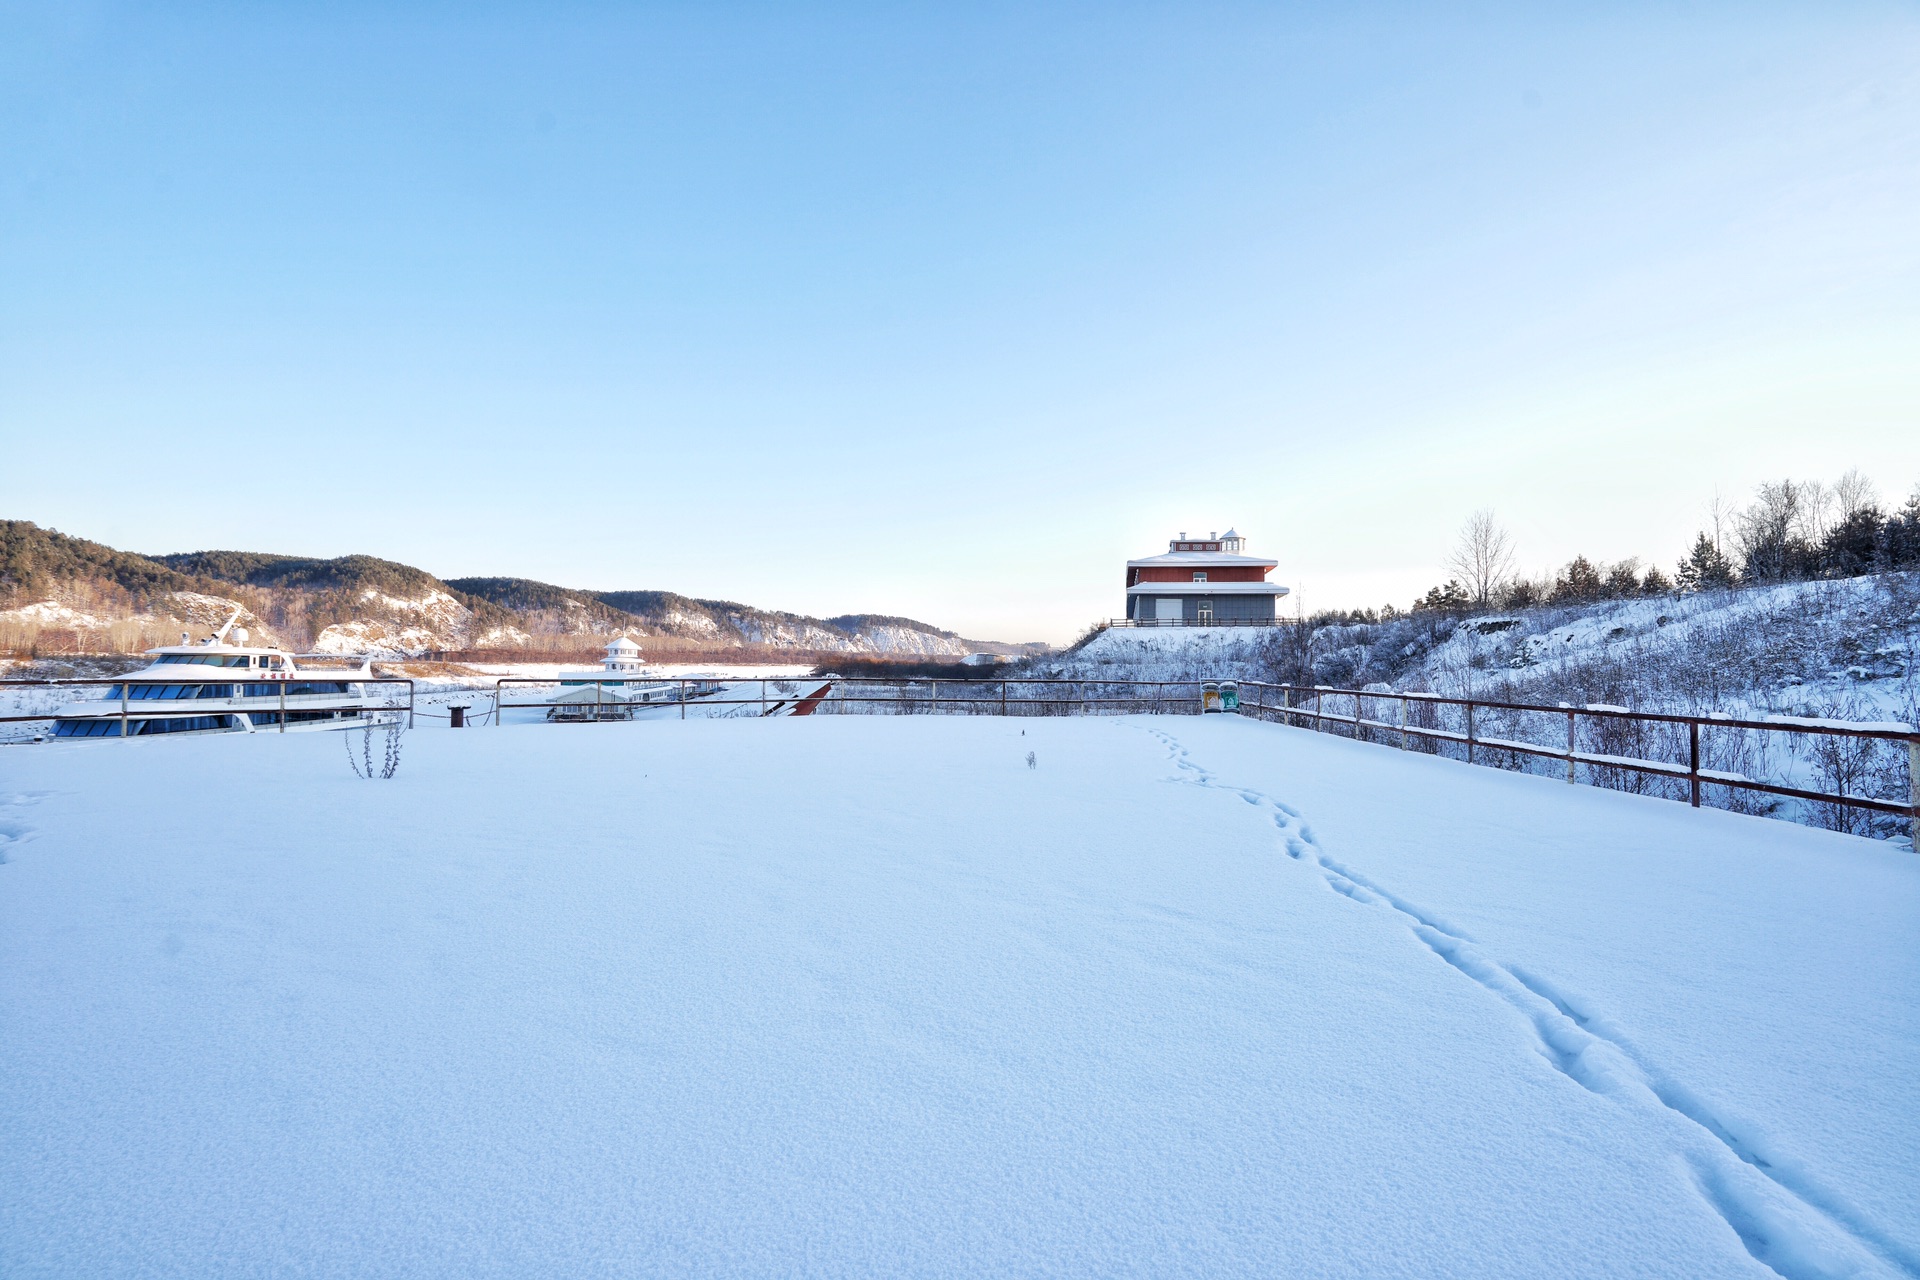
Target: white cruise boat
218,686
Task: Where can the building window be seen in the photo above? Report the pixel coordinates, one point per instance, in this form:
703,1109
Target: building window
1199,577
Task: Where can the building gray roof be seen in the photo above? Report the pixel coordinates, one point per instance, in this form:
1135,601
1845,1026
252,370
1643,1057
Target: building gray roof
1198,560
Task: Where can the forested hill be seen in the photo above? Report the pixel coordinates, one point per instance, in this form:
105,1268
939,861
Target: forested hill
719,621
81,591
36,563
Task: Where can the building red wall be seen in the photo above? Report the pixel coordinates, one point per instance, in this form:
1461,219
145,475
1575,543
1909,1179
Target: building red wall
1242,574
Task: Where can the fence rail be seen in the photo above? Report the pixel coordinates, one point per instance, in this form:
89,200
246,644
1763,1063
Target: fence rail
1304,706
1419,723
827,694
1292,707
1197,622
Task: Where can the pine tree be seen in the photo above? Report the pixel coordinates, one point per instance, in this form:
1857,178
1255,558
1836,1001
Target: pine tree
1451,598
1855,545
1900,540
1622,581
1705,569
1578,583
1655,583
1521,595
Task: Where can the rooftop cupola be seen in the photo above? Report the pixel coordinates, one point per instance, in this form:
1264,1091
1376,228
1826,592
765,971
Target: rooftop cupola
622,655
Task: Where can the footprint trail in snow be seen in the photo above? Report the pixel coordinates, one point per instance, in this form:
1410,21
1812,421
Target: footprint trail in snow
13,830
1779,1210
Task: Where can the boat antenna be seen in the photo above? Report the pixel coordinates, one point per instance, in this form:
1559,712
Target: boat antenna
220,636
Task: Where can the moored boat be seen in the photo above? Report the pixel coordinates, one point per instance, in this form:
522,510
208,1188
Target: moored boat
224,685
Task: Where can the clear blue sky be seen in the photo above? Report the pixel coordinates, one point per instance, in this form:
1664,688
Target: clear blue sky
947,310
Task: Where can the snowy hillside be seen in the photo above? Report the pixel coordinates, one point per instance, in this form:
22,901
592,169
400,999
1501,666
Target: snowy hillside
1844,649
867,996
1173,653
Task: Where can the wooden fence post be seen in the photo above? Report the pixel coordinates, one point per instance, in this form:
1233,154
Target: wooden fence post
1469,733
1693,762
1913,793
1572,740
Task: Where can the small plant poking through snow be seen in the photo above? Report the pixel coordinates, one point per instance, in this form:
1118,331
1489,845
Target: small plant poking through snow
363,765
1031,762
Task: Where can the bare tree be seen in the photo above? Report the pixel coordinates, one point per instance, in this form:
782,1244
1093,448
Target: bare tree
1852,494
1816,511
1780,529
1720,513
1483,558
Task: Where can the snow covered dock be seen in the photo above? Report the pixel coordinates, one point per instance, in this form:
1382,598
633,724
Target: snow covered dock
871,997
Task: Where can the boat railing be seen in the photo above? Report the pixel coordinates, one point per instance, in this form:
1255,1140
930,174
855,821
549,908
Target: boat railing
132,709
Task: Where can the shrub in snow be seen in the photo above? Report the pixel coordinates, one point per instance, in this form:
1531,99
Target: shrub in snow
363,765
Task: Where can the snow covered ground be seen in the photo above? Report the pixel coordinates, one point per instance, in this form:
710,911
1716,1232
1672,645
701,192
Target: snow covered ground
871,996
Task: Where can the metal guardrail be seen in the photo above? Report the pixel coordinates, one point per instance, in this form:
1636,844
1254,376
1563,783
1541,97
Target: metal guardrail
1300,705
1291,710
991,696
1289,704
1196,622
132,709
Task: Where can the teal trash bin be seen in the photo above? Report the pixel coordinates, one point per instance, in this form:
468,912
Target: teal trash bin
1229,695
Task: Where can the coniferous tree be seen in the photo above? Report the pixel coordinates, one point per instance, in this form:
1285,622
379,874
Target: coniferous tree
1452,598
1705,569
1855,545
1655,583
1521,595
1622,581
1900,539
1578,583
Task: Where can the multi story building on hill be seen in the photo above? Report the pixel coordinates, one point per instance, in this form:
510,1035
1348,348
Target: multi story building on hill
1202,582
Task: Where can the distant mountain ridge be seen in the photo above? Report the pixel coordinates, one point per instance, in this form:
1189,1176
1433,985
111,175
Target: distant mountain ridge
721,622
52,581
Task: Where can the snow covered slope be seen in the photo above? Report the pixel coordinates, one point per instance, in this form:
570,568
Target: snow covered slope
1171,653
871,996
1844,649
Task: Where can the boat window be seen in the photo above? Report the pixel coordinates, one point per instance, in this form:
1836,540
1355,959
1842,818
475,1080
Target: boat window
184,724
174,692
86,728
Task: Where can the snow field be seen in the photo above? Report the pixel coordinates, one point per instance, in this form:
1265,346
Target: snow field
869,996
